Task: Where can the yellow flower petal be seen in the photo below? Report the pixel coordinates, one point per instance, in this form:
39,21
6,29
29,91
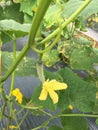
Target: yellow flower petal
43,94
57,85
12,127
16,92
35,9
70,107
53,96
50,87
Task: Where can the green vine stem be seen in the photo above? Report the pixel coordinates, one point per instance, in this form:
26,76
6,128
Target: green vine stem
12,85
23,118
0,56
53,43
42,8
5,100
13,74
71,18
1,85
48,48
44,125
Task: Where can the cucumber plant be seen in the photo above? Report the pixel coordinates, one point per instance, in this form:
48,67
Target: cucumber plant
55,32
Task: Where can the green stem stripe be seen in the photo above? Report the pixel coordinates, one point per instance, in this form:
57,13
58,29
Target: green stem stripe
12,84
71,18
42,8
79,115
13,74
0,56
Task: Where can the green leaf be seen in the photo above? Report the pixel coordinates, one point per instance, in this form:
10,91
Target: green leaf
5,38
27,18
50,58
95,110
68,9
97,121
12,12
51,15
27,6
54,128
50,75
1,12
86,55
73,5
74,123
80,94
14,29
26,67
90,9
82,41
77,50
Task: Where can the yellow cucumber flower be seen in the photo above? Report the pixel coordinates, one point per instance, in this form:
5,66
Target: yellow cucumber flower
70,107
16,92
13,127
35,8
49,87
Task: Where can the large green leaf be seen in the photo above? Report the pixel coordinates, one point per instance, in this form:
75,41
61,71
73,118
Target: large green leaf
51,15
72,5
68,9
51,57
1,12
74,123
80,94
79,52
97,121
92,8
27,6
27,18
12,12
5,38
26,67
14,29
83,58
